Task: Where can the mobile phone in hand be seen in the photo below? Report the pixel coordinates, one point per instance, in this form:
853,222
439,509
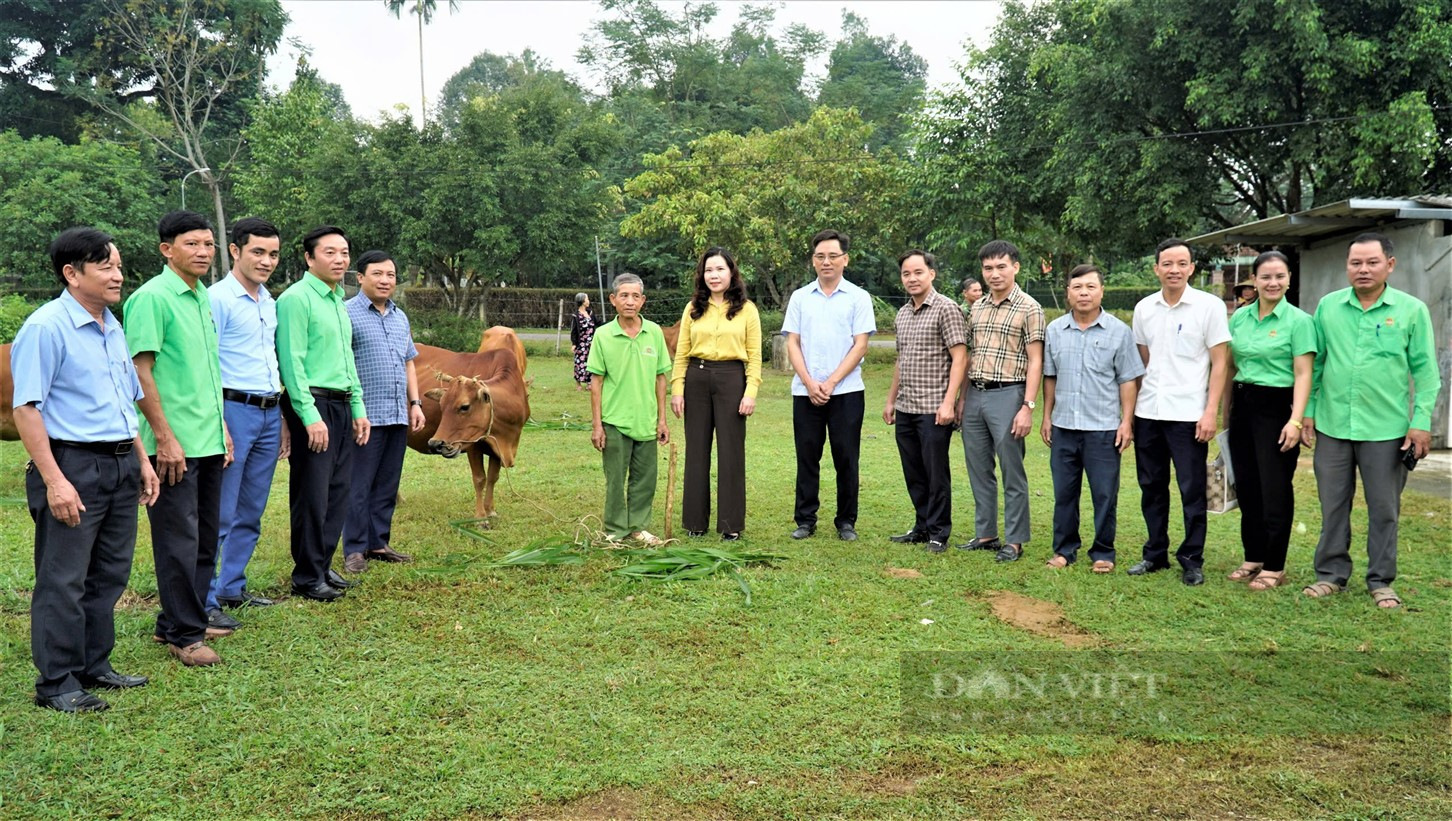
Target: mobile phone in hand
1409,457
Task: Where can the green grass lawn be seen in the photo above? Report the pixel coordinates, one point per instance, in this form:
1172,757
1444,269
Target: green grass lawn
445,689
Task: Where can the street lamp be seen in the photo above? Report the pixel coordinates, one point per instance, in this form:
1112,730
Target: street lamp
184,185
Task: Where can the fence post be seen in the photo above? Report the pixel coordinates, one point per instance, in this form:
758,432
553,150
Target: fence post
559,324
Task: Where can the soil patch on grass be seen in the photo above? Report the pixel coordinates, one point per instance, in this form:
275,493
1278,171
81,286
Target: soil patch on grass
1042,618
902,573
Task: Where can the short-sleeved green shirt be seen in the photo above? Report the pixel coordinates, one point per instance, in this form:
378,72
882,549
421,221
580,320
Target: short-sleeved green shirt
630,366
315,346
173,321
1265,350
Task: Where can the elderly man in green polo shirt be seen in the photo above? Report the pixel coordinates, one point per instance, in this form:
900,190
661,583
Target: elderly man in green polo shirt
1377,359
173,342
324,410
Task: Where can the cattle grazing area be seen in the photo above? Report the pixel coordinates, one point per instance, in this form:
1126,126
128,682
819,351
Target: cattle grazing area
447,689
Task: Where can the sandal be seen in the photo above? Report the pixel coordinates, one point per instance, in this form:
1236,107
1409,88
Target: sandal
1245,572
1386,598
1320,590
1057,561
1267,579
1103,566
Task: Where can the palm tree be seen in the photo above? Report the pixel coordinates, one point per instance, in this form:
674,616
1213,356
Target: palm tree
424,11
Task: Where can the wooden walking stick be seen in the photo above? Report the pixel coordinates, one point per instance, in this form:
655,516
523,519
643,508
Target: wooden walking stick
670,491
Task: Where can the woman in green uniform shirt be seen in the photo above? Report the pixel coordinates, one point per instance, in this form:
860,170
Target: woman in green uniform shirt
1272,346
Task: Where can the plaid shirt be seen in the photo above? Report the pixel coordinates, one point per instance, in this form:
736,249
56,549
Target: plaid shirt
924,335
998,336
382,348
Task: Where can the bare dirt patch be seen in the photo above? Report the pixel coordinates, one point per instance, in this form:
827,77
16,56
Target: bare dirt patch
614,804
902,573
1042,618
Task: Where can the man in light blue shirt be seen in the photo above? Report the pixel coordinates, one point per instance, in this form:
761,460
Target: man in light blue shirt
826,327
246,318
75,390
383,351
1090,368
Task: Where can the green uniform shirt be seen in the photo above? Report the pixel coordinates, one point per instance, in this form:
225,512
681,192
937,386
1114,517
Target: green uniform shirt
174,322
1359,386
1265,350
627,399
315,346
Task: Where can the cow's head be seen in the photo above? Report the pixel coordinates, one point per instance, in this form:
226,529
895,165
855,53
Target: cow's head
466,414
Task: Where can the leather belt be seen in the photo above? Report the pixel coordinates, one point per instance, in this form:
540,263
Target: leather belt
329,393
257,400
993,386
103,448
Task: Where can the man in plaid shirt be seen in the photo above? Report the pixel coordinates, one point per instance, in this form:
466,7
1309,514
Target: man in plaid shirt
1006,361
922,402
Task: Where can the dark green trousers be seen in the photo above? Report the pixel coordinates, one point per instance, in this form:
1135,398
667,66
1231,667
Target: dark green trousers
629,483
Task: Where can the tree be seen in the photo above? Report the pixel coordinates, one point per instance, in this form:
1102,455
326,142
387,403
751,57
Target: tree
762,195
490,74
424,11
50,186
1119,122
880,77
201,53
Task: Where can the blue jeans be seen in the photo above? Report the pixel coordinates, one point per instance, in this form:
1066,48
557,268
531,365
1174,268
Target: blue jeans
256,439
377,470
1074,455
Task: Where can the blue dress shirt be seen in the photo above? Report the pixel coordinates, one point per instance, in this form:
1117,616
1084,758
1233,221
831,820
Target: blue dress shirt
826,325
1088,366
78,374
246,337
382,347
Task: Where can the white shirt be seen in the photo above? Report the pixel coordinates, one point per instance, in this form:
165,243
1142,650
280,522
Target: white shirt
826,325
1179,337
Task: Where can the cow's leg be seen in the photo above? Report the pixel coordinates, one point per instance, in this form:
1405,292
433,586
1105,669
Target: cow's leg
476,467
489,485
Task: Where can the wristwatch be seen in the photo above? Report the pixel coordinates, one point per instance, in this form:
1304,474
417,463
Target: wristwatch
416,402
1029,403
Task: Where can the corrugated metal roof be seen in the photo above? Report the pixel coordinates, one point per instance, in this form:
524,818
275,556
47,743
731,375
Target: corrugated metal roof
1328,220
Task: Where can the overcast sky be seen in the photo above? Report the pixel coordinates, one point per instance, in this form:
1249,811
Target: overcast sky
374,57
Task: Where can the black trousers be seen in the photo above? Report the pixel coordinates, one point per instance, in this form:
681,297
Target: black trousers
713,402
922,445
1263,472
318,486
185,522
377,470
1157,444
840,420
80,572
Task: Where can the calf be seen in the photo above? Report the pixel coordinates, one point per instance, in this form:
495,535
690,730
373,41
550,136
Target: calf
480,406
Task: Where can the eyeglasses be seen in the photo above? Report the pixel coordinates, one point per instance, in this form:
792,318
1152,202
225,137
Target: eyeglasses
827,257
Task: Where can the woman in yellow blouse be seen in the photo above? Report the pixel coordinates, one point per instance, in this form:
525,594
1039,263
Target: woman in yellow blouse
714,382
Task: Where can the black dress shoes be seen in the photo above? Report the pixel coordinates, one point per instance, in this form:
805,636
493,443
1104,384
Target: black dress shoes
1144,568
934,546
847,533
1193,577
803,532
245,600
910,537
335,579
217,619
112,681
318,592
981,544
76,701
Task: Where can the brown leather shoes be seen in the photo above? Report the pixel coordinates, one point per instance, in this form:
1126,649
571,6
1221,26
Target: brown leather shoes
388,554
354,563
195,655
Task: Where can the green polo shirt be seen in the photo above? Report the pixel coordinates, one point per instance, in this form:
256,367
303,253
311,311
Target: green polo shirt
1265,350
1367,359
315,346
627,399
173,321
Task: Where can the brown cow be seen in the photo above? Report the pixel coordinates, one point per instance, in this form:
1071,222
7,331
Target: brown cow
8,431
480,406
503,338
672,333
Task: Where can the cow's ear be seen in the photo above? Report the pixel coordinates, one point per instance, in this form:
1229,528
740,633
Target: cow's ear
483,394
437,394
